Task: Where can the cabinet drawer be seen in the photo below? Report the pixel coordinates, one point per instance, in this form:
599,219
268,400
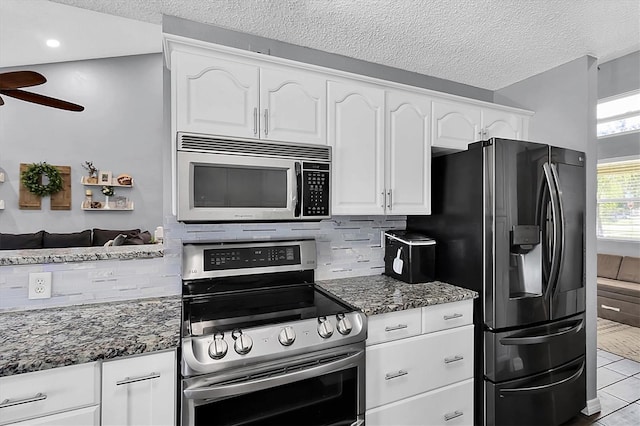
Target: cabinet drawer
89,416
450,405
49,391
447,315
407,367
393,326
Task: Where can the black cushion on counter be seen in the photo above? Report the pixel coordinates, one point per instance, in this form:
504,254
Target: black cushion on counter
101,236
73,239
21,241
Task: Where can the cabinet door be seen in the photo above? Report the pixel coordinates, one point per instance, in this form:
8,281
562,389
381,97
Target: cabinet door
214,96
140,390
293,106
455,125
89,416
356,134
501,124
408,153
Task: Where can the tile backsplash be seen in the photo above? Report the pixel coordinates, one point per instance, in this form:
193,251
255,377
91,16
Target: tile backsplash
347,246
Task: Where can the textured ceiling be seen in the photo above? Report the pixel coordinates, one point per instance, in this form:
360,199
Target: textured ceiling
484,43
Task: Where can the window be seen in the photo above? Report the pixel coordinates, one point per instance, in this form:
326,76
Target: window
620,114
619,200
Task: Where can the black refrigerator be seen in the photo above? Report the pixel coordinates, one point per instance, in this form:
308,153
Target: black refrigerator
508,219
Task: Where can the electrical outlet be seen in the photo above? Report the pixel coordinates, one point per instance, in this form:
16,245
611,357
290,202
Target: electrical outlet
40,285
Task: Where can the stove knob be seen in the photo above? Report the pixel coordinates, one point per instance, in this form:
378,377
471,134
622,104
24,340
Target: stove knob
218,348
287,336
325,329
243,344
344,325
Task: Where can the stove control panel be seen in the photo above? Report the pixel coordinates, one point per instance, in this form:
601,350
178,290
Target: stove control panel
208,353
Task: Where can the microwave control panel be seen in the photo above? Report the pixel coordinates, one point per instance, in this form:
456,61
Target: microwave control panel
315,189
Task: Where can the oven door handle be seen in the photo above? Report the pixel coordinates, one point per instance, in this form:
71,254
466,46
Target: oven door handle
233,389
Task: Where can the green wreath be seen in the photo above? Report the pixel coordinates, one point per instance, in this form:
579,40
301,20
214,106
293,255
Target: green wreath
32,178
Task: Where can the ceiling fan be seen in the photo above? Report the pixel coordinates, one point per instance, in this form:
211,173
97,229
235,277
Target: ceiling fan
12,82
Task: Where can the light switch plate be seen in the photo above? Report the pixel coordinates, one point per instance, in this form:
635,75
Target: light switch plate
1,177
40,285
1,204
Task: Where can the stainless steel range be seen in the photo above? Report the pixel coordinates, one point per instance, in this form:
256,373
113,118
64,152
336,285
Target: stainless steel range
261,344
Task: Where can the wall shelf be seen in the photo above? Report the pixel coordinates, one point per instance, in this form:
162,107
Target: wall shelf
129,206
113,183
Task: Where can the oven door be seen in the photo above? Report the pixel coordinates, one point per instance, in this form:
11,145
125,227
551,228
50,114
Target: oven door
220,187
322,389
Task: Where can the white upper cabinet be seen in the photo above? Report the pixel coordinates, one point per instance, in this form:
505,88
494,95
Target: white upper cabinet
215,96
293,106
356,134
456,124
237,98
408,161
502,124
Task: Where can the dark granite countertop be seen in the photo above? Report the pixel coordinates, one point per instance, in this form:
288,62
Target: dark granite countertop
79,254
380,294
55,337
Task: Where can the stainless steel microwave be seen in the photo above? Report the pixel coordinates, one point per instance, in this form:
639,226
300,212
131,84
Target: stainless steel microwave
222,180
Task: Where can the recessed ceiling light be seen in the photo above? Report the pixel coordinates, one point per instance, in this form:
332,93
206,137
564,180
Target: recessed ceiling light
53,42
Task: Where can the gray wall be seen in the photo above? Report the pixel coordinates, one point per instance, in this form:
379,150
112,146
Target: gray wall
564,100
619,75
120,130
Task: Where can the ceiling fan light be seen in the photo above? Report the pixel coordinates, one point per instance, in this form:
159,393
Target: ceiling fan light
53,42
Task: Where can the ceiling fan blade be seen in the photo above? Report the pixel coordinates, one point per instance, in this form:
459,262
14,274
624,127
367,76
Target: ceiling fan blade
17,79
41,100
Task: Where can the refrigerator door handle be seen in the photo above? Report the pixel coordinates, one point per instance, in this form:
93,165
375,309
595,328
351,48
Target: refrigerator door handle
555,212
561,237
534,340
542,388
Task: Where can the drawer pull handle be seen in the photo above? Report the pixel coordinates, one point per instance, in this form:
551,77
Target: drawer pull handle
611,308
451,416
454,316
128,380
8,403
451,359
395,327
395,375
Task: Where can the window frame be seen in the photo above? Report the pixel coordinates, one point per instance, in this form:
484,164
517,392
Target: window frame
618,116
609,200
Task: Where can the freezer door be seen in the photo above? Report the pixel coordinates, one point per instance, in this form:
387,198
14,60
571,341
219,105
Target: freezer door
527,351
514,291
567,291
550,398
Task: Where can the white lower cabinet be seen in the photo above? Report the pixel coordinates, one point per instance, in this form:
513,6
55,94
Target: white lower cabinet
140,390
426,376
65,395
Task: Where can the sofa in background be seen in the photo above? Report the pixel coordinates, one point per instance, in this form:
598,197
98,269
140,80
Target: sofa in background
619,288
86,238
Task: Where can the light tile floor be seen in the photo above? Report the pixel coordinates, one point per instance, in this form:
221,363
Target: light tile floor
618,391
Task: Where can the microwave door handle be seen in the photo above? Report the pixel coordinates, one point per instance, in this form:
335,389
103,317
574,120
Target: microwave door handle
297,189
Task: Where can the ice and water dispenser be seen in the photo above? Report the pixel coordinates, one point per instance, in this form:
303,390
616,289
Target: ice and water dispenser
525,278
